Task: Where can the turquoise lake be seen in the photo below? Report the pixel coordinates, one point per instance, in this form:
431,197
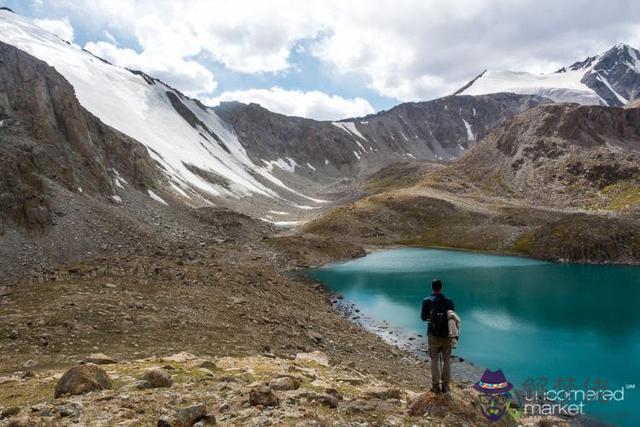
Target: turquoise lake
532,319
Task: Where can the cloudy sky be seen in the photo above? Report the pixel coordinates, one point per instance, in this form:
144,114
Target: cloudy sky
334,59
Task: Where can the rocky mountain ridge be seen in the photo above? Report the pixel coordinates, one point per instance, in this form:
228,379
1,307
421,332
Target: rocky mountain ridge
557,155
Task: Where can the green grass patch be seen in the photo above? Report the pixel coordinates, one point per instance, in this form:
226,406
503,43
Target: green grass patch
622,196
525,243
25,393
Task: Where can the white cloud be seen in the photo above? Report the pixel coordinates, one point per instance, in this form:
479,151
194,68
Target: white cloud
60,27
187,75
406,49
312,104
244,35
414,50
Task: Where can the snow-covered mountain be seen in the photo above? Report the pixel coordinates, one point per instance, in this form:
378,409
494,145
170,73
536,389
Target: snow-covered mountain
186,139
244,156
611,78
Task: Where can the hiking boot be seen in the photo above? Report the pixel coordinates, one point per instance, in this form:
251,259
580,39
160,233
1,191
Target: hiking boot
445,387
435,388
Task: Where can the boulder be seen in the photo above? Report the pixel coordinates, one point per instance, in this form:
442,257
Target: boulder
42,409
30,364
154,378
23,421
99,359
359,406
350,380
206,372
318,357
263,395
82,379
181,357
207,364
421,405
285,383
187,417
383,393
10,412
70,409
323,399
315,336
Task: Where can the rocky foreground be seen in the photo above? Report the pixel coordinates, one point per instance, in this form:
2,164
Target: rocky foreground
184,390
272,350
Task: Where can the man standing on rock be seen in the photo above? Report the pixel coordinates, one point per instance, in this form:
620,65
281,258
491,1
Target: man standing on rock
434,311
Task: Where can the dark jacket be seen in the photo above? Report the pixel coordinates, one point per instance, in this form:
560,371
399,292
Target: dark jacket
431,301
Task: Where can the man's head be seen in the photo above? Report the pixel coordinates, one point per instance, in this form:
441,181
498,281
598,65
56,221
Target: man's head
436,285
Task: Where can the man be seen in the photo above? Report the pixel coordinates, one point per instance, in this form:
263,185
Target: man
434,311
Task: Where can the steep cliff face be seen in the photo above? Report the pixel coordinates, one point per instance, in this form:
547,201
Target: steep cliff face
49,140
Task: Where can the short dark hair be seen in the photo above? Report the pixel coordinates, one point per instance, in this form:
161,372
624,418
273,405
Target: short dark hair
436,284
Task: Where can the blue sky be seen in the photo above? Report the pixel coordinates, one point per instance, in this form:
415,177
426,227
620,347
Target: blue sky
333,59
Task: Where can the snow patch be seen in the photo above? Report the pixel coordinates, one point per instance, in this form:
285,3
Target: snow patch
282,223
305,207
279,212
355,153
470,136
349,127
286,164
180,191
116,198
157,198
310,166
560,87
604,81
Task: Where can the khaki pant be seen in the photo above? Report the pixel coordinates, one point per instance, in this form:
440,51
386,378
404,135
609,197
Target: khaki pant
437,346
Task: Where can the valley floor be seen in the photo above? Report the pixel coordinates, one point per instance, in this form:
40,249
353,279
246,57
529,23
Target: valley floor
228,302
216,284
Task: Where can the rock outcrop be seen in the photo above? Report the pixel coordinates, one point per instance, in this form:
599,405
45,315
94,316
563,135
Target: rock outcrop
50,143
82,379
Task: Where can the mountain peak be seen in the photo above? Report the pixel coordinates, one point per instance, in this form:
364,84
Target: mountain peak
610,78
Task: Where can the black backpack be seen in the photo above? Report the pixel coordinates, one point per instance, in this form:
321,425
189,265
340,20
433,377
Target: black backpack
438,320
